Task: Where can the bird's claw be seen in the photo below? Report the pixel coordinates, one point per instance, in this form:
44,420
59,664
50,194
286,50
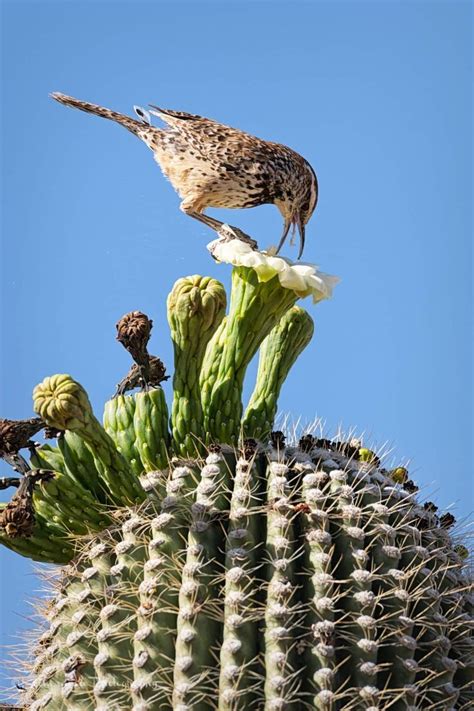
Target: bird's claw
228,233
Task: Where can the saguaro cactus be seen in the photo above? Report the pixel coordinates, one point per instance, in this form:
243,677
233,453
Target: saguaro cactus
210,565
287,577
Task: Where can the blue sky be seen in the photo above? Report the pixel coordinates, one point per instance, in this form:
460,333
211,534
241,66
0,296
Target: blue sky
375,95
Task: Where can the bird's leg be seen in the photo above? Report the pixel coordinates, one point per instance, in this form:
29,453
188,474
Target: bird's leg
222,229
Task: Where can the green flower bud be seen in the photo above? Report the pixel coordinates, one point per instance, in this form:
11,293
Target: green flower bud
63,403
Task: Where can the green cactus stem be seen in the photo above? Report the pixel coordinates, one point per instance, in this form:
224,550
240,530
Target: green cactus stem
63,403
74,509
278,352
150,422
118,423
255,308
138,425
196,307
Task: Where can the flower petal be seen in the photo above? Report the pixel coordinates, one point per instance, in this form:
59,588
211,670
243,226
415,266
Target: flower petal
304,279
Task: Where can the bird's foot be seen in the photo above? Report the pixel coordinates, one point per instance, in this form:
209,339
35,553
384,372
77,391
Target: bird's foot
228,233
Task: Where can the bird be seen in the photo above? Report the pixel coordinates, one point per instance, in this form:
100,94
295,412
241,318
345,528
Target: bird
210,164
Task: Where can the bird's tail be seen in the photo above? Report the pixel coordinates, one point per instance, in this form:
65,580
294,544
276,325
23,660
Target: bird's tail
130,123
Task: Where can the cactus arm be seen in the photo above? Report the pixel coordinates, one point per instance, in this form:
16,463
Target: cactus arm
255,308
210,366
196,307
239,650
150,422
278,352
64,404
118,423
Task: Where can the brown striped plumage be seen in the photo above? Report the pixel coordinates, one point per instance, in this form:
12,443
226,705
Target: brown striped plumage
213,165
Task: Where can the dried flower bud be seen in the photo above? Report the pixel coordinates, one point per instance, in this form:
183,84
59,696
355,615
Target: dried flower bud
133,332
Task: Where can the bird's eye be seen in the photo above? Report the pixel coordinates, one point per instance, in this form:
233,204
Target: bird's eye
143,114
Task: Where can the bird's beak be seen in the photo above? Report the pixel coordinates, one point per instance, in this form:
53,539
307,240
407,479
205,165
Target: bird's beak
286,229
301,230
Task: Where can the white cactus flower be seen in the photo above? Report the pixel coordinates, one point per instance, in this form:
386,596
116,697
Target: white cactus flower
304,279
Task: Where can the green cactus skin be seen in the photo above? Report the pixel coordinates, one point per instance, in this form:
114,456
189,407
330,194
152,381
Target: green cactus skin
64,500
138,425
255,308
118,423
210,368
74,460
196,307
150,422
63,403
75,510
278,352
322,585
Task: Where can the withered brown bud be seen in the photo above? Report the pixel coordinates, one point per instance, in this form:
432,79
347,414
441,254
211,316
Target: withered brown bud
16,434
430,506
18,516
410,486
133,332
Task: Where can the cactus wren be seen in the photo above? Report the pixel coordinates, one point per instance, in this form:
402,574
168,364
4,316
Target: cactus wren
213,165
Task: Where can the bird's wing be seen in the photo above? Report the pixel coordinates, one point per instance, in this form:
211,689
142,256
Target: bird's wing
205,135
174,118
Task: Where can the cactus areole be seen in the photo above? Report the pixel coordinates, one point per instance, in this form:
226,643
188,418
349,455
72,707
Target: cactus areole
209,563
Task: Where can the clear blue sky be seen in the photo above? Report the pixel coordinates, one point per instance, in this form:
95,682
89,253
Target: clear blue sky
376,95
